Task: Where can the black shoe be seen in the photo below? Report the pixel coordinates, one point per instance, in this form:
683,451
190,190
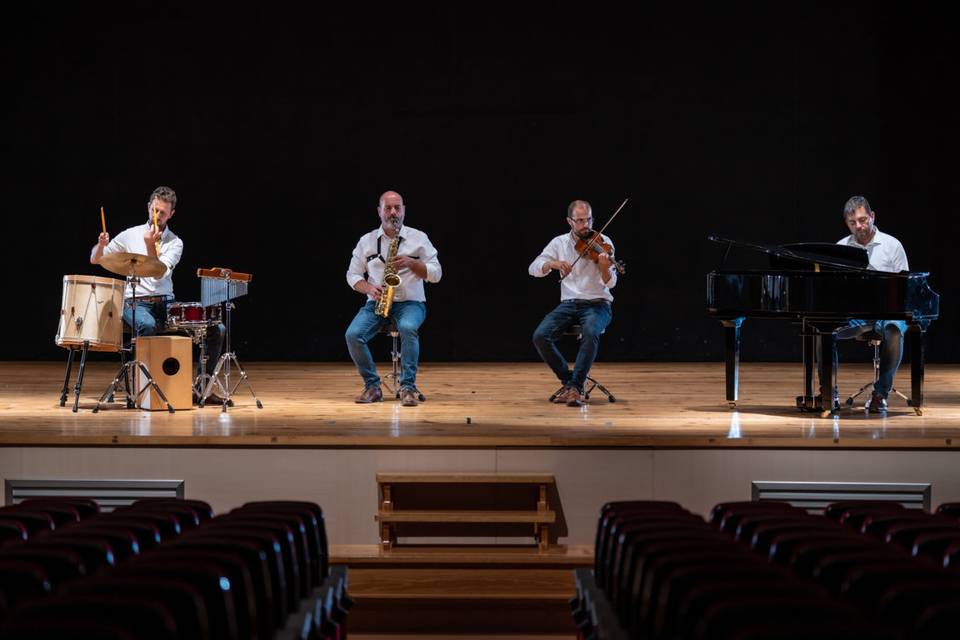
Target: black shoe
211,399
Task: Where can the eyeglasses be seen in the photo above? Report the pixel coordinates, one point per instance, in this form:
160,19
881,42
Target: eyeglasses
392,207
582,220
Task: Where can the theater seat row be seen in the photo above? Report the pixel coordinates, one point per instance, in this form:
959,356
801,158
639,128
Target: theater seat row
771,570
168,569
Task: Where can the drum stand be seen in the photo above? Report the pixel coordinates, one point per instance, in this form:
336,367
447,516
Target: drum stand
66,378
221,373
128,369
202,378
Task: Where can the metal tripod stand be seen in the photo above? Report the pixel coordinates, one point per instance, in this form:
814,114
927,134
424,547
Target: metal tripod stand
129,368
223,288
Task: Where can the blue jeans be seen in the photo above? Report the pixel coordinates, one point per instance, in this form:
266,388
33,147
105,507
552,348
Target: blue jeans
891,350
408,315
151,316
152,319
593,316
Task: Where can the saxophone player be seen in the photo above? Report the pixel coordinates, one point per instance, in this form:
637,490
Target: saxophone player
407,253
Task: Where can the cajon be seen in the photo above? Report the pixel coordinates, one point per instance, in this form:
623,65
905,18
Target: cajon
170,361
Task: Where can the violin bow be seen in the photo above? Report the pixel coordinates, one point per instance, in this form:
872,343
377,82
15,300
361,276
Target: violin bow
590,242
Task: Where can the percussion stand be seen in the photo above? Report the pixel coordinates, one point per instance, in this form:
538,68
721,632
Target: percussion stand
66,379
129,368
227,358
201,378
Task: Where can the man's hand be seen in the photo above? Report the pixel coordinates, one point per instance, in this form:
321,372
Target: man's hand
151,238
102,241
373,290
604,262
403,262
560,265
416,265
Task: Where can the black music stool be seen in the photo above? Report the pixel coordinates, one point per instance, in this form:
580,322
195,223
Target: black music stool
871,336
392,379
575,330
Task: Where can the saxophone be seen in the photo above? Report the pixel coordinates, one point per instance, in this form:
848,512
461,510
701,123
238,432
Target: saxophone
391,280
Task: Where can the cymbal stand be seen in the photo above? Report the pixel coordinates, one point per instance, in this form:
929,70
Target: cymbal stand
221,373
128,369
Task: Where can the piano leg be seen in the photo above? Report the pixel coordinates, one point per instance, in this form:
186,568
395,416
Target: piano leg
731,332
818,340
828,377
916,344
806,401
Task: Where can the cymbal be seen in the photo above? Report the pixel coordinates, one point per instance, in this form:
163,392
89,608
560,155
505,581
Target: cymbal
135,264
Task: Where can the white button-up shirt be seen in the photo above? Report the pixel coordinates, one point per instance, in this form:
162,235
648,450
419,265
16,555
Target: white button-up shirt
367,262
885,252
584,282
131,241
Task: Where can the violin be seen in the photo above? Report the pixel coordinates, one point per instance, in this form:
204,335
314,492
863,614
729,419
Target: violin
592,246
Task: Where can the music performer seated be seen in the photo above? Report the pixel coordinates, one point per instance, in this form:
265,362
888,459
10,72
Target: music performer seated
885,254
155,238
415,261
585,299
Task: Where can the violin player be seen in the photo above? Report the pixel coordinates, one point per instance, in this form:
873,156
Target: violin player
588,271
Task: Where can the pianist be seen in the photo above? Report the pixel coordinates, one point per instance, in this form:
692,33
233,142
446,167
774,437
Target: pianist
885,254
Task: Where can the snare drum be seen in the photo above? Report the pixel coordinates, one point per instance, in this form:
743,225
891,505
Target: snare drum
91,311
191,315
186,314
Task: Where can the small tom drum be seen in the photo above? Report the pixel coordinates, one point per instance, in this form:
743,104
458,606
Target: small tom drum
91,311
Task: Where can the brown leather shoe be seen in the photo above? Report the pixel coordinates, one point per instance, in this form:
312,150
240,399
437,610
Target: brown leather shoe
563,395
370,394
408,398
575,398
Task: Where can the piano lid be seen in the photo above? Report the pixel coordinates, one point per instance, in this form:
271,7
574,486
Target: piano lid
805,255
835,256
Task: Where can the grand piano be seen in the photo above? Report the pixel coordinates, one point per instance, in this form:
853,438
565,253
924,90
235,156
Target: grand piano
820,287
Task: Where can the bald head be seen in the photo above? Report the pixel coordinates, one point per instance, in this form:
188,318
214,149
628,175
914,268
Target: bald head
391,211
391,195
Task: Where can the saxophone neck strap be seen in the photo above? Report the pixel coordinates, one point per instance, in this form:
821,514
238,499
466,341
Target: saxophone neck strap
379,253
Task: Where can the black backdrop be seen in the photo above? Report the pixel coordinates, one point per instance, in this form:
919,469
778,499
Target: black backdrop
279,128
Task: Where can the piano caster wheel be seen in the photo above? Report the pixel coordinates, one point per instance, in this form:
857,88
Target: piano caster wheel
826,413
918,411
731,405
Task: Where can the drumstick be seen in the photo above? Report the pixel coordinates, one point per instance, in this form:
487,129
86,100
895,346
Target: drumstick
156,245
103,220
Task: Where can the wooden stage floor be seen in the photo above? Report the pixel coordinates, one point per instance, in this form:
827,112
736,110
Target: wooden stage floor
485,405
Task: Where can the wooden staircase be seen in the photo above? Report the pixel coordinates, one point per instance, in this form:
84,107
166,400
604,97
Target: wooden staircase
454,485
446,586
